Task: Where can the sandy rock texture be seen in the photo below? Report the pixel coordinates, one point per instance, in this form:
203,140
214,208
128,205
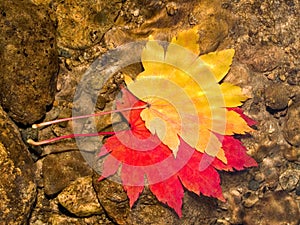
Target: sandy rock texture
61,169
17,183
80,198
28,60
82,24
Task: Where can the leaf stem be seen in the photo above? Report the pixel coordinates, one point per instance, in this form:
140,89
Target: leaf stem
37,143
35,126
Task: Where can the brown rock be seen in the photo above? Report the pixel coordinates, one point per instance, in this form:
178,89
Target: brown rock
274,208
270,172
238,75
28,60
250,199
291,129
48,211
61,219
276,97
17,184
234,199
41,2
147,210
292,154
61,169
81,24
163,19
294,77
222,222
262,58
289,179
80,198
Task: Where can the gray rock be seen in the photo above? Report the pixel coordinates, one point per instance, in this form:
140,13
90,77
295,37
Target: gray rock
59,170
28,60
253,185
17,184
80,198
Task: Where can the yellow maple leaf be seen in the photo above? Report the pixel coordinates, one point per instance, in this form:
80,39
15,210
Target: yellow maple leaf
185,96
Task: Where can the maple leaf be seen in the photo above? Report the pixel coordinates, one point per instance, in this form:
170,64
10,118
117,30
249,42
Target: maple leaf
180,117
185,96
145,160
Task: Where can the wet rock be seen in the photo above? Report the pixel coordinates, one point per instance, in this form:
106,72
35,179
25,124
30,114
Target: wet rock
163,19
250,199
196,209
298,189
262,58
294,77
61,169
171,8
212,31
48,211
234,198
274,208
61,219
259,177
289,179
243,75
80,198
291,129
41,2
147,210
221,222
28,60
292,154
270,173
17,184
276,97
254,185
43,206
81,24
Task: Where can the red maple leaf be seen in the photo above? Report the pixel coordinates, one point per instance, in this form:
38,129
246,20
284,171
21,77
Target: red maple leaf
145,160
